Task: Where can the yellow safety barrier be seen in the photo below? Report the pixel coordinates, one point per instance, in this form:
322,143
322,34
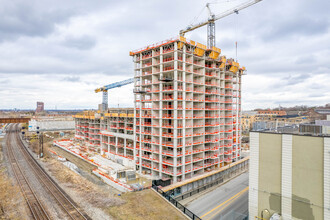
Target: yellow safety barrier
183,39
202,46
180,45
223,63
215,53
200,49
123,115
234,67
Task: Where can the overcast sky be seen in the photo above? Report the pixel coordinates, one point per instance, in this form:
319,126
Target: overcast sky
59,51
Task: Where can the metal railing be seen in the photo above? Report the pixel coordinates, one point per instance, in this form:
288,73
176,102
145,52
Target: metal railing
167,196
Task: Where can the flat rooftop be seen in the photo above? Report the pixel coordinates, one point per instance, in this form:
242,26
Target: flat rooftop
293,133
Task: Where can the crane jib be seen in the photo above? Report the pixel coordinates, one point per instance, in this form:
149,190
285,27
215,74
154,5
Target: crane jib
213,18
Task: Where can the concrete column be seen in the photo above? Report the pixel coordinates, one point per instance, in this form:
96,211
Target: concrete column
140,135
254,175
125,147
286,203
204,78
161,115
221,143
134,121
237,114
240,113
175,133
101,137
184,112
108,146
326,176
116,145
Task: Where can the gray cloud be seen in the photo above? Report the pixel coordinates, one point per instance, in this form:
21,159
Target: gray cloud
295,79
298,26
22,18
72,79
81,43
5,82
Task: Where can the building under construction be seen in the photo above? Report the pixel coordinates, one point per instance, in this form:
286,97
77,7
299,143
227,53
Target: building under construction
186,118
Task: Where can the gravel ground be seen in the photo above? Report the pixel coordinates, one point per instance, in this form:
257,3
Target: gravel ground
92,198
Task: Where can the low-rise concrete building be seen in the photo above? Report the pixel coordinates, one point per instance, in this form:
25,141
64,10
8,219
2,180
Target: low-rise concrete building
51,125
318,127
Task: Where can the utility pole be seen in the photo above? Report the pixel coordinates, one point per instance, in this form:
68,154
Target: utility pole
41,143
23,133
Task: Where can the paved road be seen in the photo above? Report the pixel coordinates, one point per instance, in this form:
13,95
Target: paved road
224,200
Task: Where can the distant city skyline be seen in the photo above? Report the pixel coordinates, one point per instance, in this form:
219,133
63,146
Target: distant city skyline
59,52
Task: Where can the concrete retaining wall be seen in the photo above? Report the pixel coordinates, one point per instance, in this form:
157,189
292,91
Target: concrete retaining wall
82,164
111,183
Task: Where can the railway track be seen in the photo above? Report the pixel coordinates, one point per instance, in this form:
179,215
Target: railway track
37,209
64,201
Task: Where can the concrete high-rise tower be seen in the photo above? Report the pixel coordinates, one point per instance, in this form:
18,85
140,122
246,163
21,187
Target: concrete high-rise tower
187,109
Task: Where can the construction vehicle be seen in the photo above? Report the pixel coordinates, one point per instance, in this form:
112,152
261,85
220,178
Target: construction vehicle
104,90
210,22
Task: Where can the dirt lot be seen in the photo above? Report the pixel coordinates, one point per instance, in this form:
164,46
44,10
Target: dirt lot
144,205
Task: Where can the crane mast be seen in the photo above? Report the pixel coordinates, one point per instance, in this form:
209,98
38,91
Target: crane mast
210,28
210,22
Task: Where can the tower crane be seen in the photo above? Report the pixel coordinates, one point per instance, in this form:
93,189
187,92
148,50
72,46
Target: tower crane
104,90
210,22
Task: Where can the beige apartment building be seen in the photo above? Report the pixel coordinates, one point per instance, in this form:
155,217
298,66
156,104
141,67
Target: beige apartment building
290,176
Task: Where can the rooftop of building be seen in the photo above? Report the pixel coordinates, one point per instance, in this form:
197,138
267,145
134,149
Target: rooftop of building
290,130
323,111
111,112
